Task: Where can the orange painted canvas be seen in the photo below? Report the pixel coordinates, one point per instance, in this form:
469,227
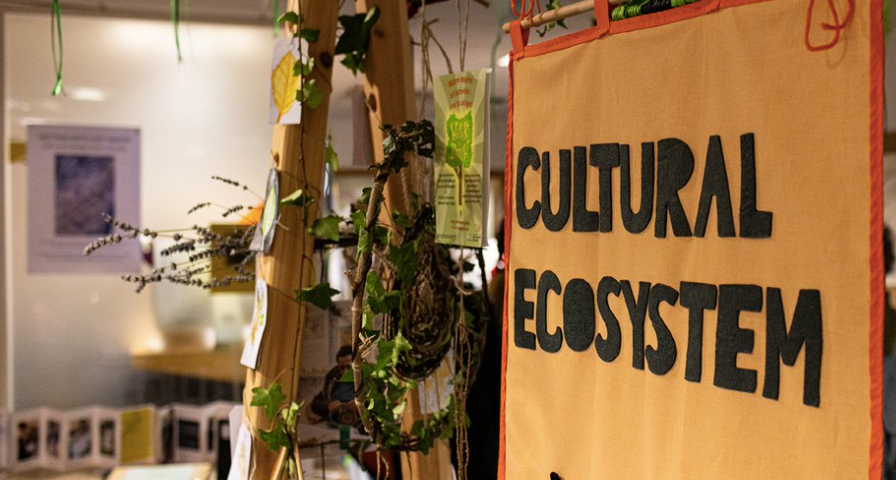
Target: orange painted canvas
694,226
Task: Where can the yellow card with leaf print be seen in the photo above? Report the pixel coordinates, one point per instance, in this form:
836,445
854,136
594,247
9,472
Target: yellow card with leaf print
285,81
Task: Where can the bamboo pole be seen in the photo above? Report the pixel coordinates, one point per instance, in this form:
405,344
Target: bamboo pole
562,13
287,267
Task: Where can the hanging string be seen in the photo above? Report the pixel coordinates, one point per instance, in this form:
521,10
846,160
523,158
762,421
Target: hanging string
462,30
175,21
56,38
836,27
423,177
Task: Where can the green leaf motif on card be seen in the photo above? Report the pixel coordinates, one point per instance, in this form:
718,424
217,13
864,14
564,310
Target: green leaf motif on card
459,148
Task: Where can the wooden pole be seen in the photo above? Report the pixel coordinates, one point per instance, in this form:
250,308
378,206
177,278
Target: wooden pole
299,152
389,85
5,360
389,89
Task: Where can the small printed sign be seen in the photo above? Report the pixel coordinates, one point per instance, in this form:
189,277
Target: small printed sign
461,160
259,321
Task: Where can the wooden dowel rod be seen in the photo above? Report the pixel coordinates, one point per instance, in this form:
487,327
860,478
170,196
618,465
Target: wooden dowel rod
562,13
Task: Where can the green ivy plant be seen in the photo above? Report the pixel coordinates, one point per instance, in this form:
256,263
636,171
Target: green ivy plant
309,93
355,38
552,5
283,418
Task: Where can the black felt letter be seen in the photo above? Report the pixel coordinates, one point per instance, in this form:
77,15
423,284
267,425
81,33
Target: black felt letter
523,279
578,314
583,220
608,348
549,342
605,157
696,297
555,221
661,359
753,223
527,217
637,309
637,222
731,339
674,166
804,330
715,184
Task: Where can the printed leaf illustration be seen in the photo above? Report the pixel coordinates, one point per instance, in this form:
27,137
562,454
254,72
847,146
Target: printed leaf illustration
460,141
459,151
284,85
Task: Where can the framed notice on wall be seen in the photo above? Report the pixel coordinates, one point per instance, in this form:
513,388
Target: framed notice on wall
76,175
694,225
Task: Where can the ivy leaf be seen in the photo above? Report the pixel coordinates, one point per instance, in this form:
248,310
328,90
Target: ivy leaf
326,228
373,287
401,344
359,220
291,468
355,38
290,17
365,242
399,409
298,199
401,220
347,376
289,415
303,69
405,260
381,235
364,199
319,295
330,155
268,398
367,320
353,62
275,438
310,95
379,300
385,304
309,35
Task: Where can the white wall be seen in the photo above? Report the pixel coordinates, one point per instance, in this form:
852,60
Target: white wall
73,333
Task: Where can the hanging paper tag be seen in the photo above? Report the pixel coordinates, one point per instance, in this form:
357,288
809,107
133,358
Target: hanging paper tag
461,158
436,390
284,109
239,467
264,231
259,321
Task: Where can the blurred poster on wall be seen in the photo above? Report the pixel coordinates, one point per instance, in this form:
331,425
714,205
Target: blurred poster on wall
76,175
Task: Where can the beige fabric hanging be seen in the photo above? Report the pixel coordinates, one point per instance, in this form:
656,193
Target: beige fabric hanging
735,80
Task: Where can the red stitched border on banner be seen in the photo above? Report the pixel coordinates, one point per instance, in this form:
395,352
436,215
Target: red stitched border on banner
878,292
508,217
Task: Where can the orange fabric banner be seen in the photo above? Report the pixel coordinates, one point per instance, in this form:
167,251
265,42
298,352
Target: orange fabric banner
694,228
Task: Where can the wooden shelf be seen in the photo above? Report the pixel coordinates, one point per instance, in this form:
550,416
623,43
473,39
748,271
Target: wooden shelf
221,364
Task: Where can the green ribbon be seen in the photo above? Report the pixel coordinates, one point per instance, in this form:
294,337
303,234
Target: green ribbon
56,38
276,18
175,20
